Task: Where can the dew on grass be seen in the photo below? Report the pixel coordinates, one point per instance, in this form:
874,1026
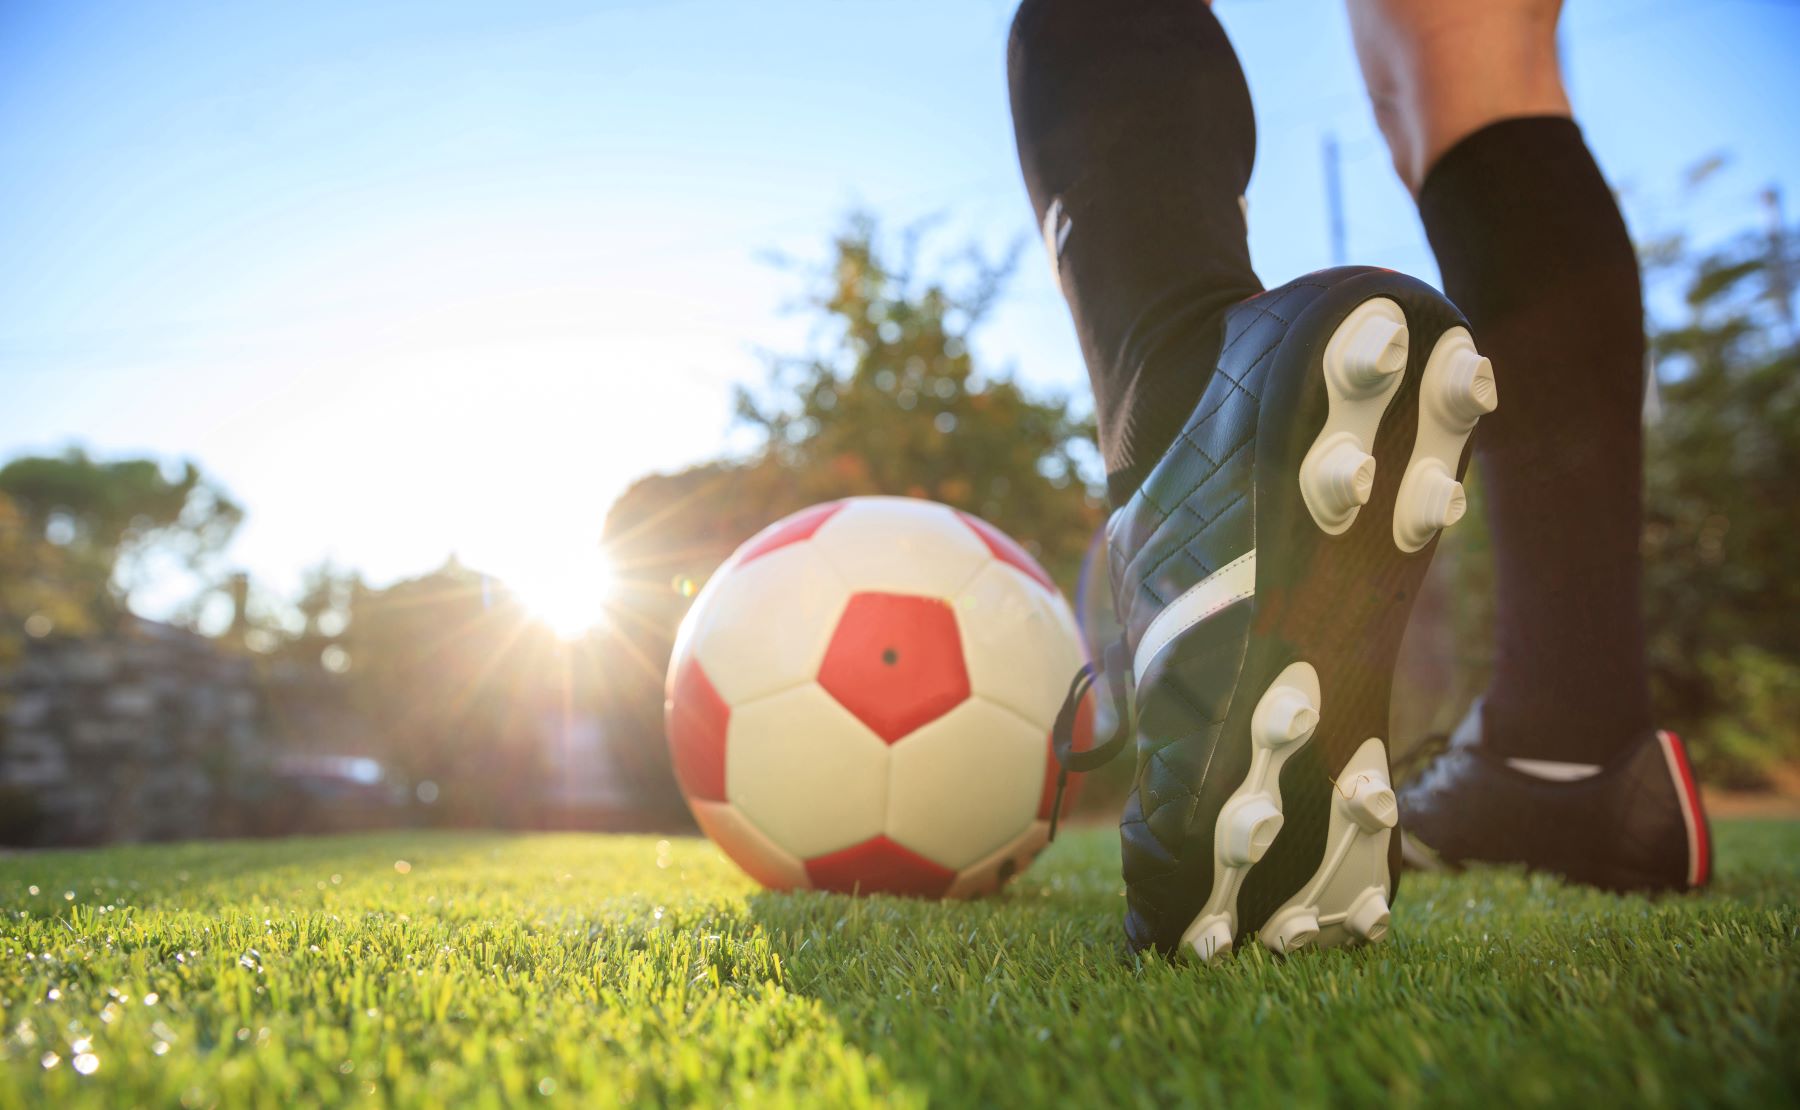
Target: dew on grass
160,1048
402,866
50,1060
53,995
68,896
87,1063
32,888
151,998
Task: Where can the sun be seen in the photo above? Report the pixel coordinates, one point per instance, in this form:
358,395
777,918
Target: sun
568,596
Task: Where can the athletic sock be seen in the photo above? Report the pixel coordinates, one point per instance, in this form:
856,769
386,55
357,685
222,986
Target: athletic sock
1136,137
1534,250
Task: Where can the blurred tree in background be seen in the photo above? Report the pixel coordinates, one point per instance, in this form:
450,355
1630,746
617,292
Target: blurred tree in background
894,404
1722,542
78,536
453,679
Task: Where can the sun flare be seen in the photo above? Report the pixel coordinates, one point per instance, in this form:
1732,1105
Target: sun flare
570,596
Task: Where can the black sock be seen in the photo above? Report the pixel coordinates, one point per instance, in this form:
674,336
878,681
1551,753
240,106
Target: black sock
1534,250
1136,137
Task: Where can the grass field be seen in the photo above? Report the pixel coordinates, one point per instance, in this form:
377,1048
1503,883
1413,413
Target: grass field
475,970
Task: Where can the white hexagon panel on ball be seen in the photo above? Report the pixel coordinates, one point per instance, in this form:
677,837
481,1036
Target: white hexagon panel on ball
966,784
901,545
806,772
1018,642
764,625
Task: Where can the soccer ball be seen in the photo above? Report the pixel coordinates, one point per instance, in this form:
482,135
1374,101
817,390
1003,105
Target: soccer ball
861,700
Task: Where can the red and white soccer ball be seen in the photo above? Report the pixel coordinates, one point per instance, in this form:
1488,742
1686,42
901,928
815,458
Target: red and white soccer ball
861,700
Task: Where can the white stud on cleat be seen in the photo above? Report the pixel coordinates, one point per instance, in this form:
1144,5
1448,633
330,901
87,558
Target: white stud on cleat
1368,918
1345,901
1374,349
1362,366
1430,501
1285,715
1369,801
1456,390
1209,937
1247,824
1466,391
1337,480
1247,827
1291,931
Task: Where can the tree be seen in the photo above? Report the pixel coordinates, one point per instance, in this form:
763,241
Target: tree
894,404
453,679
78,535
116,521
1720,544
38,592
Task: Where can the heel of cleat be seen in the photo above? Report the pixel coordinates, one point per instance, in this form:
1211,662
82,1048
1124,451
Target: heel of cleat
1346,900
1281,724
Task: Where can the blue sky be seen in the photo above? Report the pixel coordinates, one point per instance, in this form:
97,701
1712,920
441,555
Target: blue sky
419,278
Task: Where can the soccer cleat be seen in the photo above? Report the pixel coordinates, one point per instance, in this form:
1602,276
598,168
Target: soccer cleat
1263,576
1634,824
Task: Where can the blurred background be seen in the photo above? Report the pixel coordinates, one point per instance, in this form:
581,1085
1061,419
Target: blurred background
379,382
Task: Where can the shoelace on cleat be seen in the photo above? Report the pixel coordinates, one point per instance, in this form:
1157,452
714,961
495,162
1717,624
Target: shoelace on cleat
1062,736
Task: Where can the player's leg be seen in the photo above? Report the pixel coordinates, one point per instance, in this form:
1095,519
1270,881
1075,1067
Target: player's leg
1136,139
1281,462
1534,250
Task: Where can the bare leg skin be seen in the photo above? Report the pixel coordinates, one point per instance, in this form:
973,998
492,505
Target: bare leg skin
1440,70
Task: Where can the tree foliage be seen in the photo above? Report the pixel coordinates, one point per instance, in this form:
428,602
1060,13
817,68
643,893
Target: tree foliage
78,536
894,404
1721,548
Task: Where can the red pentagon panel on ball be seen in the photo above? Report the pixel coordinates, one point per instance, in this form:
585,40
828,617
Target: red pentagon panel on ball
1084,739
788,530
697,718
1007,550
896,662
879,866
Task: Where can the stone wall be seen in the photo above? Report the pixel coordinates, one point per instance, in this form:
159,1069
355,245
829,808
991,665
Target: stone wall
143,734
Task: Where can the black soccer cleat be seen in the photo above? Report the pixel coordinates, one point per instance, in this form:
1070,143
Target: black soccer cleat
1263,577
1634,824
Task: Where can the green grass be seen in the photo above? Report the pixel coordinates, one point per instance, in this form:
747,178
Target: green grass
489,970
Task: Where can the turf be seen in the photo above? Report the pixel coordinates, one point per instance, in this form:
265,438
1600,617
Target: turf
482,970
